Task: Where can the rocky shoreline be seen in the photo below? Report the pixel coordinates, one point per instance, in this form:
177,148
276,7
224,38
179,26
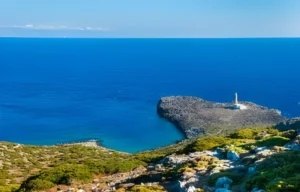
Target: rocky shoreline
195,116
91,143
88,143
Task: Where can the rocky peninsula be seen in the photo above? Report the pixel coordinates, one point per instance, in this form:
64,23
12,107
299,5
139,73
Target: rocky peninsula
195,116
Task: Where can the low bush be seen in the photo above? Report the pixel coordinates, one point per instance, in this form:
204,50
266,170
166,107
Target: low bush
3,182
253,133
149,157
9,188
36,184
206,143
111,167
211,142
291,134
154,188
4,174
63,174
290,184
272,141
278,171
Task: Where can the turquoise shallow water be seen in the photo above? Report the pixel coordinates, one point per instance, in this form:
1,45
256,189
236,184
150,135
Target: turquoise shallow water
65,90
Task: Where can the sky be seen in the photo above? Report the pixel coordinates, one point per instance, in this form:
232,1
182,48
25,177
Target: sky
150,18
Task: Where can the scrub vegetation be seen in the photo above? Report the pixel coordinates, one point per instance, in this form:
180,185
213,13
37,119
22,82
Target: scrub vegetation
33,168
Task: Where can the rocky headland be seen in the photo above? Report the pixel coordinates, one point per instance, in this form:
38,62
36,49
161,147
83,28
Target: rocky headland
195,116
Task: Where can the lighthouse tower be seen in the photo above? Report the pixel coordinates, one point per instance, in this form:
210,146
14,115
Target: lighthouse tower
236,104
236,99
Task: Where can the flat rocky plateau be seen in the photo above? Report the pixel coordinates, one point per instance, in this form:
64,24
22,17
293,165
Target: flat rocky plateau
195,116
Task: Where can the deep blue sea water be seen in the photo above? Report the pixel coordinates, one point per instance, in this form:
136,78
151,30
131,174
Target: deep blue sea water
64,90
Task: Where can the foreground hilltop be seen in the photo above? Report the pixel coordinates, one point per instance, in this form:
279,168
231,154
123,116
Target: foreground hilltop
195,116
253,159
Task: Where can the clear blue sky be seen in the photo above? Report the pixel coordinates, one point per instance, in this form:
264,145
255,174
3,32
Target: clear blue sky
150,18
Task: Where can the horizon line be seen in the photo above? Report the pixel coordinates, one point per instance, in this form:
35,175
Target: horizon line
15,37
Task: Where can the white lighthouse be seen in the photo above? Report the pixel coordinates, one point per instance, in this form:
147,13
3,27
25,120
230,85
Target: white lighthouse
236,104
236,99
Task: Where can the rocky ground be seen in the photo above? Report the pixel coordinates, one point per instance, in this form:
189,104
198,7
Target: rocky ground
195,116
233,163
222,169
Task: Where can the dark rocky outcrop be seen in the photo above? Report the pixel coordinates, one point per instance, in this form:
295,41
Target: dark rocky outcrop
195,116
293,123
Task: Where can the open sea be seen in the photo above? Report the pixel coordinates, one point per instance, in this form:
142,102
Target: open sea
66,90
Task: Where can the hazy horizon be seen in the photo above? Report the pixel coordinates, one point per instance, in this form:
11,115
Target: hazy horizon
155,19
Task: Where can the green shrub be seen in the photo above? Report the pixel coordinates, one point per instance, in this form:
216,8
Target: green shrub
154,188
206,143
4,174
279,170
290,184
211,142
272,141
150,157
63,174
3,182
291,134
9,188
37,184
115,166
253,133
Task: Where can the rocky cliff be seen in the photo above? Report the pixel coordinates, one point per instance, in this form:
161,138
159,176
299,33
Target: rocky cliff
293,123
195,116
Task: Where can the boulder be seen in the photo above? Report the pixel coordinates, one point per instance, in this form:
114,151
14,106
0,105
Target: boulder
259,149
223,182
188,175
174,160
214,153
251,169
127,185
232,156
294,145
191,189
179,186
139,169
265,153
158,167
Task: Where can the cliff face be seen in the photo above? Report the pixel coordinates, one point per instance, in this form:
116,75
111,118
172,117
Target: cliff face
293,123
195,116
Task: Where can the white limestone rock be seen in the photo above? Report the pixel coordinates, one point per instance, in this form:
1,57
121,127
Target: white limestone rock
259,149
232,156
